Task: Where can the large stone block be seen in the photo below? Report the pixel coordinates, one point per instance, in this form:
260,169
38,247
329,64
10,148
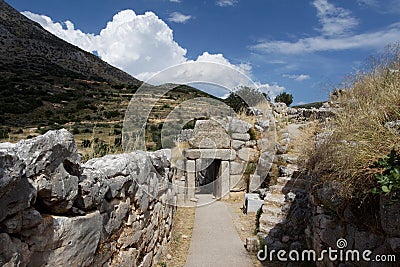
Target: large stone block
223,154
53,165
255,182
25,219
65,241
237,183
236,144
239,126
225,178
244,153
252,202
209,134
13,252
237,167
241,136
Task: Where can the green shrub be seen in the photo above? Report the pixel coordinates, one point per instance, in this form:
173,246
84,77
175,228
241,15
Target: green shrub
284,98
389,178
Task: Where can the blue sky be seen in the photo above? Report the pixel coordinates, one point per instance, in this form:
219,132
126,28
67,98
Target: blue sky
304,47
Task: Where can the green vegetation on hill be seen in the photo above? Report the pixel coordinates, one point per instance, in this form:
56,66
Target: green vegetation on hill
47,84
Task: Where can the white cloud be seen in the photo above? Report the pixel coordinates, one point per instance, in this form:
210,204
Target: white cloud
178,17
224,3
372,3
335,21
143,45
175,1
370,40
336,34
297,77
385,7
271,89
65,31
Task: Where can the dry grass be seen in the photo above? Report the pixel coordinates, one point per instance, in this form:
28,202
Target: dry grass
358,136
179,245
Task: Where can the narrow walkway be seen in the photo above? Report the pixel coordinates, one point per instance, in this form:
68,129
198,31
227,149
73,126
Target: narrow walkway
215,242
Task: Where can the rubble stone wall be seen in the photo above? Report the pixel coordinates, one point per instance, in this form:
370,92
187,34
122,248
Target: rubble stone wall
56,211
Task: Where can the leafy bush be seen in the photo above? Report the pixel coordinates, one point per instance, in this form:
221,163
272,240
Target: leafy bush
111,113
389,179
284,98
245,97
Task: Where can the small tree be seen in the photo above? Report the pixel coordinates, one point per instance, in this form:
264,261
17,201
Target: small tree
243,97
284,98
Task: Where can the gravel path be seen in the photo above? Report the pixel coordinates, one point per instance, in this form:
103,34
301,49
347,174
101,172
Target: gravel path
215,242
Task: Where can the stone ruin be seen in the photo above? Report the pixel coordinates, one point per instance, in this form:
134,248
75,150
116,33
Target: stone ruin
223,157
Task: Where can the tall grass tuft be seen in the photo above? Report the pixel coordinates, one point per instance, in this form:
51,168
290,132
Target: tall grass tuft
358,136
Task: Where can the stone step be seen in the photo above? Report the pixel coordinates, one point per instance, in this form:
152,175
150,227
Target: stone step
288,170
274,212
276,200
270,220
292,182
265,229
284,189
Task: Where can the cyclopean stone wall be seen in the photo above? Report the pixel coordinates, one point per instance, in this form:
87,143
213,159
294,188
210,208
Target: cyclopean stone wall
56,211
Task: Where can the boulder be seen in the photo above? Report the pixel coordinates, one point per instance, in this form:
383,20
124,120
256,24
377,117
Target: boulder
13,252
23,220
239,126
65,241
53,165
16,193
209,134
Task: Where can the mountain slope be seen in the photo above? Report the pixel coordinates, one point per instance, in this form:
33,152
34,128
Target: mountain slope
24,44
47,83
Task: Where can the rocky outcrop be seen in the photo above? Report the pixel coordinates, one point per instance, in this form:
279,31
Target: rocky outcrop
55,211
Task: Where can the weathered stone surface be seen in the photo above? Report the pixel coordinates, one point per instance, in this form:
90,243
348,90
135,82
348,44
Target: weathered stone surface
120,198
265,162
209,134
395,244
93,188
13,252
238,183
390,217
252,244
244,153
126,258
223,154
53,165
117,215
190,166
239,126
224,177
21,195
236,144
63,241
160,159
25,219
11,171
254,182
364,240
264,124
237,167
241,136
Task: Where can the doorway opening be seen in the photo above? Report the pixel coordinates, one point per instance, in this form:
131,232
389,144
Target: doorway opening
207,178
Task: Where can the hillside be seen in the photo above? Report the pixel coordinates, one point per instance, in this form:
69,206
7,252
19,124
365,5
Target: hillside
47,83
